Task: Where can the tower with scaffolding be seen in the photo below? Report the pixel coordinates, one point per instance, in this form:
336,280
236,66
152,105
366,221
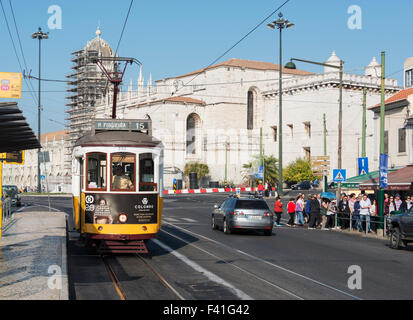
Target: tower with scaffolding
87,84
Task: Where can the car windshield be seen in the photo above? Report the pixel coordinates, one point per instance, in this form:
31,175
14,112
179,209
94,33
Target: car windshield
251,204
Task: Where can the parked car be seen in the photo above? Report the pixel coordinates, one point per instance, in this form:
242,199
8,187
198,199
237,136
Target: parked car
243,213
401,229
303,185
13,193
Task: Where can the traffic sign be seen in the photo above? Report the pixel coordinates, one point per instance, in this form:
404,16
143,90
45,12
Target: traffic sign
339,175
363,166
260,172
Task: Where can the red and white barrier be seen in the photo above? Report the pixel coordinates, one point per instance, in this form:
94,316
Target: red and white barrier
209,190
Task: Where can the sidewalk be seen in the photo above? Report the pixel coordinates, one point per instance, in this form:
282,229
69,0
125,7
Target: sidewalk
33,257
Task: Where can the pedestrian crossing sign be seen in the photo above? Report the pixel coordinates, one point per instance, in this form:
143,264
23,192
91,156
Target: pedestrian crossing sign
339,175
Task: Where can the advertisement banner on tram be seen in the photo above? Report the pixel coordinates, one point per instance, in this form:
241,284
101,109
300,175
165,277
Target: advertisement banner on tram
107,208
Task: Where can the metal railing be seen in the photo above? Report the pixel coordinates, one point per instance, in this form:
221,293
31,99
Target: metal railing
5,213
365,223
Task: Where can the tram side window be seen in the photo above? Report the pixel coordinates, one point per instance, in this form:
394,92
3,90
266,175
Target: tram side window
96,171
123,171
147,173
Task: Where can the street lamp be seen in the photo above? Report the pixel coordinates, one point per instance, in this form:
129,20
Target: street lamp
40,36
291,65
280,24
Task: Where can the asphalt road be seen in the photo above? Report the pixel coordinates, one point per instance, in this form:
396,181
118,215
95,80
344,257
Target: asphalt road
198,263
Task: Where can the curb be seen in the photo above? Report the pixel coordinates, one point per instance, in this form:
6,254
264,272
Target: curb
64,292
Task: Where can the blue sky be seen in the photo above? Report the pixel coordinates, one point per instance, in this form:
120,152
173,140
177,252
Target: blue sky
175,37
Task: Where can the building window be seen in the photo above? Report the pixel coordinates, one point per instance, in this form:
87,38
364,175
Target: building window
386,142
307,126
409,78
402,140
307,151
192,125
250,110
275,133
291,126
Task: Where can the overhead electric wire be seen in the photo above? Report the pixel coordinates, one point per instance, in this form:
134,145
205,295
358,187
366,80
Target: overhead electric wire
20,45
14,46
124,25
237,43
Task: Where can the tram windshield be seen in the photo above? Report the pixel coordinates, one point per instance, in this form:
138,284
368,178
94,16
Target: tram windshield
96,171
123,171
147,173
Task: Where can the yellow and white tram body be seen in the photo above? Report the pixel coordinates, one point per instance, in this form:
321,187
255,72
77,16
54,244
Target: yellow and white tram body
117,183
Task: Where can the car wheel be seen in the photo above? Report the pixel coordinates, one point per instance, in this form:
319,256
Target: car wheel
213,224
268,233
395,239
227,229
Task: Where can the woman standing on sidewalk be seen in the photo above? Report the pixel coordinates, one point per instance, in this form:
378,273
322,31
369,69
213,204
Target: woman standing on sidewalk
291,212
331,213
373,212
278,210
299,207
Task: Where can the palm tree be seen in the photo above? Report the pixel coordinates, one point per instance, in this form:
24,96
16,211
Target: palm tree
270,168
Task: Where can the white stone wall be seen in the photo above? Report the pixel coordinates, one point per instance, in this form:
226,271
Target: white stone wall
224,117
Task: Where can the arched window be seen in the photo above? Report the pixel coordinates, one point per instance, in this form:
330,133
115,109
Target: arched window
192,126
250,110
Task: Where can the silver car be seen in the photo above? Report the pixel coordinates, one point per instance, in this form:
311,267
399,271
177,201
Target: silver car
243,213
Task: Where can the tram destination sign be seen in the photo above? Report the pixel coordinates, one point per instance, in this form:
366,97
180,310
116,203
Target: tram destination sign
122,125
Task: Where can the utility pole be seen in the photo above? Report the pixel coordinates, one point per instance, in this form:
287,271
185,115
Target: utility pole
382,127
364,124
281,23
325,150
226,161
340,126
40,36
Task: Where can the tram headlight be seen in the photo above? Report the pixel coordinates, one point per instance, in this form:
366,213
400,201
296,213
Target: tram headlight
123,218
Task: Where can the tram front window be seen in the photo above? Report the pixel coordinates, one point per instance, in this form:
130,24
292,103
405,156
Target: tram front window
96,171
123,172
146,173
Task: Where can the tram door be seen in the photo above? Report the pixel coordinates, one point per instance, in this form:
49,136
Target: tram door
147,173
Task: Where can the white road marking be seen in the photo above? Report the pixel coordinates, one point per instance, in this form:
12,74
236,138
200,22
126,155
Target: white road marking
270,263
211,276
189,220
170,219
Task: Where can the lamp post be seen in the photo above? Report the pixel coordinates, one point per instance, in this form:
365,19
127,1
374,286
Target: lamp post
40,36
291,65
280,24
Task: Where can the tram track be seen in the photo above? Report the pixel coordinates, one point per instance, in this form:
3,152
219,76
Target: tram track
117,279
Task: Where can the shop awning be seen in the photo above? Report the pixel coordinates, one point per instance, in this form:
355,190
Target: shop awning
354,182
15,133
400,180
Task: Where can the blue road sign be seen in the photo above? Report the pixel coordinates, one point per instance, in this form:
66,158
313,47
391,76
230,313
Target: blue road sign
363,166
260,172
339,175
384,167
42,177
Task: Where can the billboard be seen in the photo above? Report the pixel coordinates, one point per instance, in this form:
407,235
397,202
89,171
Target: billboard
10,85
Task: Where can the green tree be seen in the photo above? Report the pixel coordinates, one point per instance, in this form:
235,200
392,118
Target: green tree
270,168
201,169
297,171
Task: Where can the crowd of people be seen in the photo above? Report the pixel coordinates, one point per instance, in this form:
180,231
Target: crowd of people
356,212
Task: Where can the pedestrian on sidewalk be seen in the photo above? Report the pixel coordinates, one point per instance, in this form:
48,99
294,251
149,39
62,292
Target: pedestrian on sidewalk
278,210
389,207
299,207
307,208
331,213
291,212
374,216
356,213
344,213
260,189
365,206
314,212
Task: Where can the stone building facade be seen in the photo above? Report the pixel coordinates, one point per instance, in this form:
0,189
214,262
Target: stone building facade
57,178
215,115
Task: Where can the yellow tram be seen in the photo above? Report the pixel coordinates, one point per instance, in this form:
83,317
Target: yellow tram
117,182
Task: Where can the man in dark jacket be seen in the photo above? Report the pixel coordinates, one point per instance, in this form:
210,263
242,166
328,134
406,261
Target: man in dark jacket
314,212
344,213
